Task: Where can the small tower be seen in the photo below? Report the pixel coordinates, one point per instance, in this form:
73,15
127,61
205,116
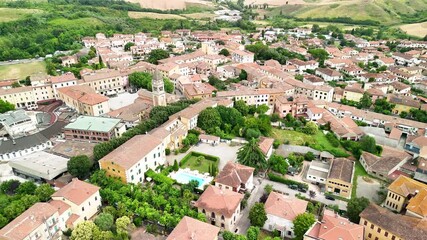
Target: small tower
159,95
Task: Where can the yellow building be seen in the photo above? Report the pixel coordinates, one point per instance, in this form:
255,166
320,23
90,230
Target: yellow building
403,104
20,97
353,93
409,194
84,100
131,160
340,177
382,224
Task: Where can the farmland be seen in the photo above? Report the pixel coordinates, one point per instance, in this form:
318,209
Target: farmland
416,29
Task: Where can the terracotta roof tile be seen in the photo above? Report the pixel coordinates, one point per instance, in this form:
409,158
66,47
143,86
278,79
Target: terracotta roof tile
220,201
192,229
234,174
76,191
132,151
284,207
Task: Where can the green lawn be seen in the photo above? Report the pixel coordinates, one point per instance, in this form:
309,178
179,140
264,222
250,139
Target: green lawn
12,14
292,137
318,141
191,161
358,171
21,71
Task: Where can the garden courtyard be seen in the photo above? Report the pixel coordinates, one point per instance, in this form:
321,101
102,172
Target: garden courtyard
223,151
199,161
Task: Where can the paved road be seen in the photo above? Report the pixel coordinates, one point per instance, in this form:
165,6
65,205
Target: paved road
243,223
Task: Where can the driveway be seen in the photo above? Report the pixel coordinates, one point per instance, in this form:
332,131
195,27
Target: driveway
224,151
368,188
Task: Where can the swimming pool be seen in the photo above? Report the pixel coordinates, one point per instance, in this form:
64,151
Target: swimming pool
185,177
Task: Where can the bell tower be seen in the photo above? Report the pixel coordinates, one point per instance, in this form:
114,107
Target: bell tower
159,95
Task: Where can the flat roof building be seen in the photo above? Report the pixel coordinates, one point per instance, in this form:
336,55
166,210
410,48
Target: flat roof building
94,129
40,166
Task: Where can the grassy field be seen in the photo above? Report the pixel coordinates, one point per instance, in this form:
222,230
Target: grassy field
416,29
152,15
21,71
318,141
12,14
191,161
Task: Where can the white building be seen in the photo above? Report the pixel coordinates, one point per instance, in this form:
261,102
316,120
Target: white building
281,211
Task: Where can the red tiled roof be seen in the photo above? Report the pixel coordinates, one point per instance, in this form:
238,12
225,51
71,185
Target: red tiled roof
77,191
192,229
219,201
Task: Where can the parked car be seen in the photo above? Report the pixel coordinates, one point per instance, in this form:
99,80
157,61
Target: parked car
294,187
330,198
302,190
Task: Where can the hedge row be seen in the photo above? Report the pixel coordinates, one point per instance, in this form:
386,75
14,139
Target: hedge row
286,181
159,178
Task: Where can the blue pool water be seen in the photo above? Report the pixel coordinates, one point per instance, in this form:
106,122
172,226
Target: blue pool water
184,178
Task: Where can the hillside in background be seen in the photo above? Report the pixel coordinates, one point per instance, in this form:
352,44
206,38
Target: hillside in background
386,12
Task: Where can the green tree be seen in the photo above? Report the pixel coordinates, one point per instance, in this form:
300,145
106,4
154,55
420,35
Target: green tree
243,75
175,165
365,101
253,233
44,191
403,114
368,144
86,230
302,223
169,87
3,221
268,188
104,221
156,55
140,80
224,52
310,128
355,206
79,166
241,107
14,209
209,119
16,85
27,187
251,155
278,164
123,225
6,106
262,109
128,45
257,215
309,156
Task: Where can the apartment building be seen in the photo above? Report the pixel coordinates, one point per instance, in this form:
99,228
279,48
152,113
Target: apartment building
106,81
220,206
131,160
21,97
94,129
407,194
242,56
84,100
76,202
82,197
382,224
